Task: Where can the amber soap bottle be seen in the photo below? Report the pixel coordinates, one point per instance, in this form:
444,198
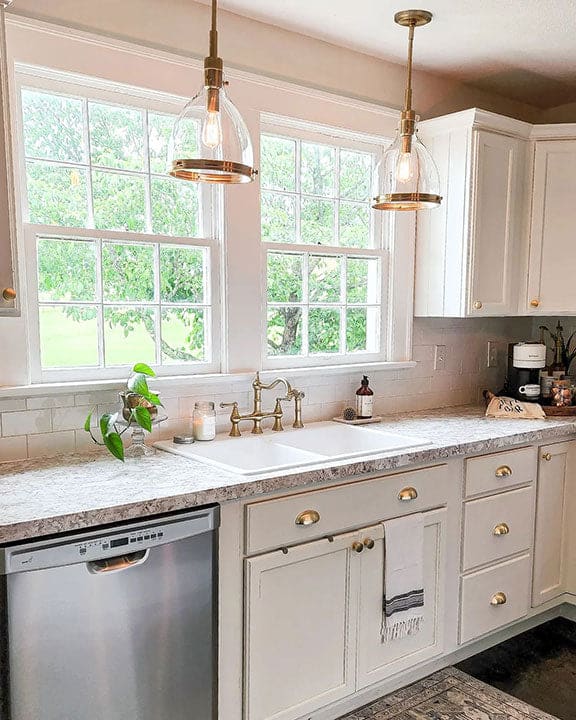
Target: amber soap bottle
364,400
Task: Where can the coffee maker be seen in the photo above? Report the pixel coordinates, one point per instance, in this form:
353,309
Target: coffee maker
525,360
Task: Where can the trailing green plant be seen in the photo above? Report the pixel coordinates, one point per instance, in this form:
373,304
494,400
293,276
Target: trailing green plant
137,387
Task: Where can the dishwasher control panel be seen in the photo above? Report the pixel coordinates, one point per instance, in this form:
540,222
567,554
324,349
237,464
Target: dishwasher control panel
101,544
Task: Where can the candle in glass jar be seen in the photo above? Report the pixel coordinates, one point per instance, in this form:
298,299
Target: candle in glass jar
204,421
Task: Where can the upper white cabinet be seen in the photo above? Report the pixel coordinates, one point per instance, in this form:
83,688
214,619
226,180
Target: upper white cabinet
8,299
469,250
552,259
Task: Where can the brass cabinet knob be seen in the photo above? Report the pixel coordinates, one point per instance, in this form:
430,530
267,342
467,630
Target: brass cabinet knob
407,494
369,543
547,456
501,529
9,294
308,517
535,302
477,305
357,547
498,599
503,471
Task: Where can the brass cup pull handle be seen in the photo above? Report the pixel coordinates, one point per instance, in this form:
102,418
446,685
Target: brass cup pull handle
503,471
547,456
407,494
498,599
308,517
501,529
9,294
357,547
369,543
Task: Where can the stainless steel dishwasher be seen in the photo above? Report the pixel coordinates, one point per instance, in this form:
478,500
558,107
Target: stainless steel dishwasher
112,624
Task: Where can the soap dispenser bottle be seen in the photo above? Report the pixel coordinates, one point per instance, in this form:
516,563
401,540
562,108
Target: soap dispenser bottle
364,400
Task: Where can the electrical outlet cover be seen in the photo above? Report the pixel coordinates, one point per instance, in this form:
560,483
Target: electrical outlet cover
440,357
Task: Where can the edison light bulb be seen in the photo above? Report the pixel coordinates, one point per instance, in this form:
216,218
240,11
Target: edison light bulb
404,169
212,129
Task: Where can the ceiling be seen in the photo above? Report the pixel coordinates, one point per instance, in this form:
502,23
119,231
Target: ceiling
522,49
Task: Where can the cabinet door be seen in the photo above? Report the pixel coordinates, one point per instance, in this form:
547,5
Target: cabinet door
550,543
299,638
495,224
8,305
552,249
378,660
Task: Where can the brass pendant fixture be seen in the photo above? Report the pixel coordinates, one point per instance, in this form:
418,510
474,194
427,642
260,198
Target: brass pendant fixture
210,142
407,174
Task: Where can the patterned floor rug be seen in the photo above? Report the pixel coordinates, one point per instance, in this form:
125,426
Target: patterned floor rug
448,695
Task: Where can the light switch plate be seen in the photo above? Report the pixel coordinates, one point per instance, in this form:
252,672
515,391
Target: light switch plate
439,357
492,356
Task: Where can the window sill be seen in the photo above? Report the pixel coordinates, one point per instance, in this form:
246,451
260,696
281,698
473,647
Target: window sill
170,381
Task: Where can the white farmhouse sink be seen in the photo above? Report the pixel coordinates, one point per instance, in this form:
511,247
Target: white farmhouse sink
315,443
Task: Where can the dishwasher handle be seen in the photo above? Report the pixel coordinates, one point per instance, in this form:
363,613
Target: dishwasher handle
118,563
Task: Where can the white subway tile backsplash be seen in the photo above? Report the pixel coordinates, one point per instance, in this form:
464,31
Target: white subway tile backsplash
51,444
13,448
11,404
26,422
49,401
72,418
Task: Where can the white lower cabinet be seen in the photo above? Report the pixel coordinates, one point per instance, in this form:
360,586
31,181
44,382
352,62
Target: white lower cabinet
555,466
378,660
314,619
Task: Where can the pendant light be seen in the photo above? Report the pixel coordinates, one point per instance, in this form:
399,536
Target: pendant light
407,173
210,141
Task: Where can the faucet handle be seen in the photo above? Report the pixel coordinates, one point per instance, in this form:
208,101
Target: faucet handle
234,417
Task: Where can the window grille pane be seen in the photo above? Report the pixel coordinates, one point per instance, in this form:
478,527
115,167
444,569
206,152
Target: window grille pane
318,222
355,225
285,278
57,195
128,272
183,332
116,137
182,274
363,281
284,333
129,334
278,217
325,278
119,201
278,163
68,336
318,170
324,330
355,175
53,127
66,270
174,207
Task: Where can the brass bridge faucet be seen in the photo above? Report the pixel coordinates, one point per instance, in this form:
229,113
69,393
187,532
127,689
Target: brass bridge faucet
257,415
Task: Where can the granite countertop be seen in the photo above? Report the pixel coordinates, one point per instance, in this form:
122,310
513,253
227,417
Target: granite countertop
44,497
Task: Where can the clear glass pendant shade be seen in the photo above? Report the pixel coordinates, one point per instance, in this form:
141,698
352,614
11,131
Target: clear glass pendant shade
210,141
407,177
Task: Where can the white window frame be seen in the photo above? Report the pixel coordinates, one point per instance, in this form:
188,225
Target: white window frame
71,85
380,229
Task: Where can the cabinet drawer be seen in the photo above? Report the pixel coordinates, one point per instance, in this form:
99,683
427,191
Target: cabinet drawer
508,582
309,515
497,526
499,471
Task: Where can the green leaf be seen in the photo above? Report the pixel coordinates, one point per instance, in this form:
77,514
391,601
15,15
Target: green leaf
113,442
88,421
142,416
143,369
154,399
137,383
105,427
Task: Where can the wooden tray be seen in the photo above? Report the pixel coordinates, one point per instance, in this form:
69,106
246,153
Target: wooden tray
562,411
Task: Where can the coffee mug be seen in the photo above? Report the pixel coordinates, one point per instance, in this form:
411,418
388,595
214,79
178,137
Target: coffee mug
531,390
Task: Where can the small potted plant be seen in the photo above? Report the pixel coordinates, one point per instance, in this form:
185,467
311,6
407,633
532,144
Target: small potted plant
140,409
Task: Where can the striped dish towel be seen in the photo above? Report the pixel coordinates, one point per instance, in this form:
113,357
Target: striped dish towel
403,577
